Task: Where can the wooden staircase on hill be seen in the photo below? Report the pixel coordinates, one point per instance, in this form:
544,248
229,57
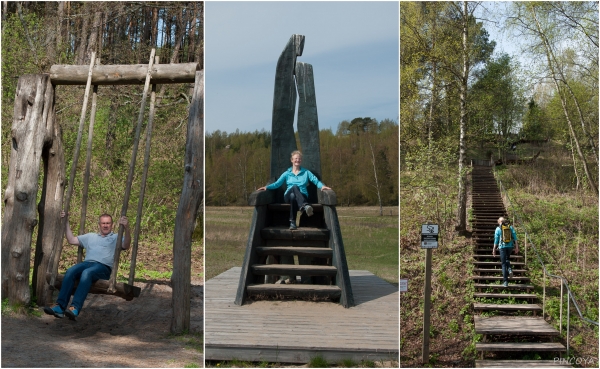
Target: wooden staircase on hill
516,328
272,246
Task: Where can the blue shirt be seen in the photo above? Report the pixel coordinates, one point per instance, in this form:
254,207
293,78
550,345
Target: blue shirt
98,248
301,180
498,238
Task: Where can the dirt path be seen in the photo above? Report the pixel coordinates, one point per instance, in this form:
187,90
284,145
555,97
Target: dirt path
110,332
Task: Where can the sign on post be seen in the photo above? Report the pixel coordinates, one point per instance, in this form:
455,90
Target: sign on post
429,241
403,285
429,236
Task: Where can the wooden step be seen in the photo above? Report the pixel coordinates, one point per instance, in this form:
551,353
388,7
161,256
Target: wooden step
320,252
290,269
520,346
296,243
500,278
515,326
505,295
521,364
489,256
494,286
295,290
506,307
479,270
317,208
284,233
492,263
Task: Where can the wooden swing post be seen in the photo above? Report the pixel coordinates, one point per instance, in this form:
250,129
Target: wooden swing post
113,275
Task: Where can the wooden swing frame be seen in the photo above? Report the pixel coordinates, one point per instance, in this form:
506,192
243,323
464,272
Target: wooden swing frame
125,290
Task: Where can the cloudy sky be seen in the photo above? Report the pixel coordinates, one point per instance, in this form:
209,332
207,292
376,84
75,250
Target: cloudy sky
353,47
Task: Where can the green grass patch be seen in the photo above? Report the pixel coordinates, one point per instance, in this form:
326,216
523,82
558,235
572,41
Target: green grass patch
318,362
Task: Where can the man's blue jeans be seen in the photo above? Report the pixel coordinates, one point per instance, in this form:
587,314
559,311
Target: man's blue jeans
505,260
87,272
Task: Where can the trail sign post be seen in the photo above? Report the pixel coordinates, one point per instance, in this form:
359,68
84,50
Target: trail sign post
403,285
429,241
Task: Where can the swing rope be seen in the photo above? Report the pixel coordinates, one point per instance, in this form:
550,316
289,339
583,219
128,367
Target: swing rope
86,178
113,275
138,220
55,257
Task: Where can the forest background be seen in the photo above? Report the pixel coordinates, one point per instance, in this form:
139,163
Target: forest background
37,35
462,98
359,161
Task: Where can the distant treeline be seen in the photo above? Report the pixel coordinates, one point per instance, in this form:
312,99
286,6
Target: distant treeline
359,161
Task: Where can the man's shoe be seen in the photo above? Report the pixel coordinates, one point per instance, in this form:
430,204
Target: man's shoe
293,225
72,313
505,284
510,272
56,310
309,210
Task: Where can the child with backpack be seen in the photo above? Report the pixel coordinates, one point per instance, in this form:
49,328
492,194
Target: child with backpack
505,238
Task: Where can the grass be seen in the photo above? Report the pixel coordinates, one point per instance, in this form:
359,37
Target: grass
370,241
318,362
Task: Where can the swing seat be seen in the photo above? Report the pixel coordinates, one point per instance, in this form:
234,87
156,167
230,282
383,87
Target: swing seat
124,290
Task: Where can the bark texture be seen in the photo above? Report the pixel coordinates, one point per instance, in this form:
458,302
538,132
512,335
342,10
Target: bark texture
191,197
34,103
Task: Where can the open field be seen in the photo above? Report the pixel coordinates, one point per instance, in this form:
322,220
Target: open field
371,241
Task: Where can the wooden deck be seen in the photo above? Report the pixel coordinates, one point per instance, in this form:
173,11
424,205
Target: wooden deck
296,331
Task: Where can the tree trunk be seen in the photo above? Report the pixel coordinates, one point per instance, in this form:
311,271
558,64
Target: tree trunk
51,35
462,175
50,231
83,36
155,27
377,187
189,203
591,180
91,46
33,103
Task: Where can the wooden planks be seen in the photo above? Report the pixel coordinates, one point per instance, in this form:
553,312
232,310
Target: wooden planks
520,346
295,331
296,290
291,269
507,307
513,325
520,364
298,234
301,251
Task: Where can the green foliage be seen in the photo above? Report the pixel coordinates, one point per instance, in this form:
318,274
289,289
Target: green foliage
238,163
318,362
367,364
192,365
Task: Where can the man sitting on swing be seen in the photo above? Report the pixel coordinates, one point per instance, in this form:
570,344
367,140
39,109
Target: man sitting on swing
99,257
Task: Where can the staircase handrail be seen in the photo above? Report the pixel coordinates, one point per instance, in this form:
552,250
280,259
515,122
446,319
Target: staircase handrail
564,280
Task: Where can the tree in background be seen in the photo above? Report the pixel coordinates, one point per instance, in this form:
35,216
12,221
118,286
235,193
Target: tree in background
360,162
546,25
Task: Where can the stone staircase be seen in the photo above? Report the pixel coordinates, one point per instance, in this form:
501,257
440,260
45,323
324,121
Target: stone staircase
515,328
272,251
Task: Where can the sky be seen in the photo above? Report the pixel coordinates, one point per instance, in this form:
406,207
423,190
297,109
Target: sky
352,46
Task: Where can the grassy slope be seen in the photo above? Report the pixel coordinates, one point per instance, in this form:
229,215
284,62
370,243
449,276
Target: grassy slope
370,241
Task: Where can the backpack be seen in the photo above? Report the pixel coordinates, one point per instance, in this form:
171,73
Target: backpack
506,232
